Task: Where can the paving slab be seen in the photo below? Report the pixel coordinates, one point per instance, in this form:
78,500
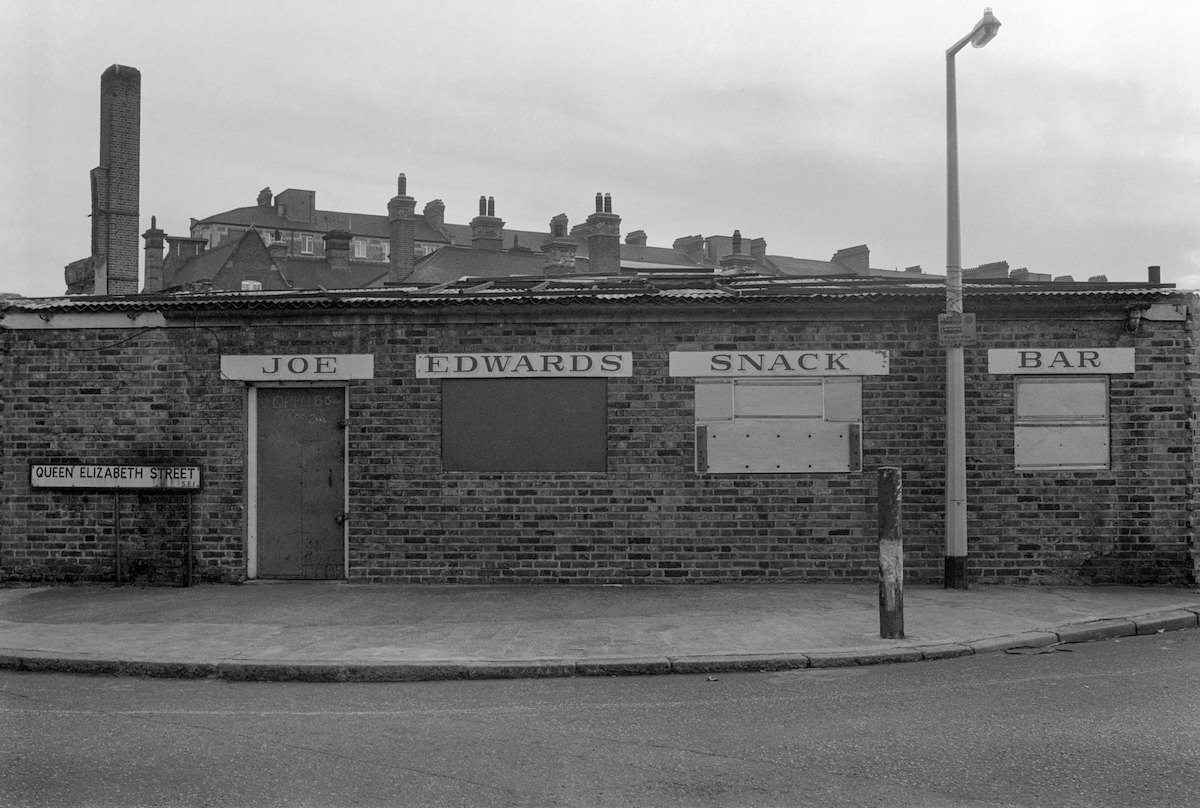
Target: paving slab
339,631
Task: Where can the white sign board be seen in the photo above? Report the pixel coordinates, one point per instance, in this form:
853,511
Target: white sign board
523,365
101,476
778,363
297,367
1061,360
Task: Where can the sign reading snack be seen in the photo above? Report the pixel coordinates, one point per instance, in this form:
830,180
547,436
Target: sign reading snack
52,476
297,367
778,363
1061,360
522,365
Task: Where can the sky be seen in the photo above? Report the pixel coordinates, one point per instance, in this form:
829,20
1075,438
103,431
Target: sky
814,125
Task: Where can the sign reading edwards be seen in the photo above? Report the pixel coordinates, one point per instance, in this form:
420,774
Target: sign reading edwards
779,363
522,365
297,367
1061,360
52,476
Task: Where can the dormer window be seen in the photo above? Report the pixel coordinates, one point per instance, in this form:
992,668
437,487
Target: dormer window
306,244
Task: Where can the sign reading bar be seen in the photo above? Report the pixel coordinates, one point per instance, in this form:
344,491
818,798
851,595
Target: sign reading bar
778,363
52,476
523,365
297,367
1061,360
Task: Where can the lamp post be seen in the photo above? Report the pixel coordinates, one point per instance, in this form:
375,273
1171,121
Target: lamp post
956,429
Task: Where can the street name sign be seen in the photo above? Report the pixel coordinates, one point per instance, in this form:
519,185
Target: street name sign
111,476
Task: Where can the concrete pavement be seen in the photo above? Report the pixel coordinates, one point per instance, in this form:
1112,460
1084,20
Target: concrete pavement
339,631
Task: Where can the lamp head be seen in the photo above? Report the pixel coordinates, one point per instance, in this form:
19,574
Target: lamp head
985,30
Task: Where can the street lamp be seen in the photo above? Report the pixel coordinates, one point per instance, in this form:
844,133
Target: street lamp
956,428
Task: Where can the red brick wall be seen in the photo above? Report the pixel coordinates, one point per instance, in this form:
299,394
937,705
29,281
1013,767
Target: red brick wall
119,396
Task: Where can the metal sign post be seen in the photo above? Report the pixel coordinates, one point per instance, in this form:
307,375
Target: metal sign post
115,478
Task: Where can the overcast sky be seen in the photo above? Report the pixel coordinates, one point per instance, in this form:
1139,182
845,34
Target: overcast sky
814,125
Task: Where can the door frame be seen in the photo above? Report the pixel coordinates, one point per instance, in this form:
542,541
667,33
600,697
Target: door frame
252,470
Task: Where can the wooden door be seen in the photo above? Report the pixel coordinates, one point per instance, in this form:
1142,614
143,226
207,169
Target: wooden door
301,488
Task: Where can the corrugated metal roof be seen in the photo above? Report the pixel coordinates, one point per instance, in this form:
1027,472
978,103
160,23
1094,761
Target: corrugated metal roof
655,288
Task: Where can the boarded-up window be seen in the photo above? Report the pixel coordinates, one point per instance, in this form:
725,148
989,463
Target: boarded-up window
776,426
525,424
1061,423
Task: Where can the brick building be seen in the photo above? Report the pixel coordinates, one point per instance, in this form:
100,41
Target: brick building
664,427
309,248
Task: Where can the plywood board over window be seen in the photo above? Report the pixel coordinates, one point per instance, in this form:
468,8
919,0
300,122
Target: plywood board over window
777,426
545,424
1062,423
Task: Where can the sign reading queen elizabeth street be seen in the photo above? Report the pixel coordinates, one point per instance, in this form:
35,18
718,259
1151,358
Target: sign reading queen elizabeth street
106,476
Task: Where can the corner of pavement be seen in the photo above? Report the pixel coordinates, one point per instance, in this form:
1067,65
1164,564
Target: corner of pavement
347,632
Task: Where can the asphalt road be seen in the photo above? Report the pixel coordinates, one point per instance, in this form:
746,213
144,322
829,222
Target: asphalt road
1115,723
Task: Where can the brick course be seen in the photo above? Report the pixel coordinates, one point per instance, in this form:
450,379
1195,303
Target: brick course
156,396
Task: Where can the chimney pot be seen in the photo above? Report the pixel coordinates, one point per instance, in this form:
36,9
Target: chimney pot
1154,274
483,206
401,186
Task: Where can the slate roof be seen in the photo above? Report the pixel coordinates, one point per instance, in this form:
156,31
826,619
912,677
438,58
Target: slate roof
451,263
206,265
277,273
804,267
315,273
367,225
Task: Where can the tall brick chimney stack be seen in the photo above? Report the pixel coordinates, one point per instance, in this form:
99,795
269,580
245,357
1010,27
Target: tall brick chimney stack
116,180
112,267
154,257
487,229
604,238
402,230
